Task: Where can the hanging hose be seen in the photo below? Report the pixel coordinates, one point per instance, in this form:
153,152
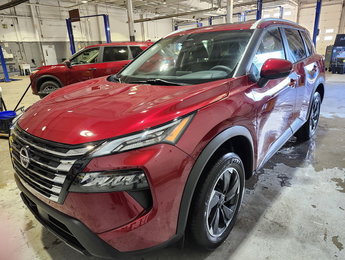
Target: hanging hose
20,100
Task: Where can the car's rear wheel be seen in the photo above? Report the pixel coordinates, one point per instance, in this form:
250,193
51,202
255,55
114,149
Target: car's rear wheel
48,87
217,202
309,127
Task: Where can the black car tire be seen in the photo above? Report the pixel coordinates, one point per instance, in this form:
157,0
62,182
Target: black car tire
48,87
203,211
309,127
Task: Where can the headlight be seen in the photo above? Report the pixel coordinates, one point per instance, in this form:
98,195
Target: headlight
122,180
168,133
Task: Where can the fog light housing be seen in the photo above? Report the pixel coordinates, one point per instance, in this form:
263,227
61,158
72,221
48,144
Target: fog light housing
108,181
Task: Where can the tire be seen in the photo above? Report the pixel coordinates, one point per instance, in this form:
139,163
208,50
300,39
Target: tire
309,127
48,87
210,201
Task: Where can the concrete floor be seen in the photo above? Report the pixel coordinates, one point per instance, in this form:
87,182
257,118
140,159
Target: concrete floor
293,209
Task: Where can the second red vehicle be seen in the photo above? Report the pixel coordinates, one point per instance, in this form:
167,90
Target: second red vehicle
91,62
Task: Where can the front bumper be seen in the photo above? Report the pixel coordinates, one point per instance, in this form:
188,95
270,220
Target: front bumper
94,223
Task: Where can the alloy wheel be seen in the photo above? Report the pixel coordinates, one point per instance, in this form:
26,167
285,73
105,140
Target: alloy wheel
223,202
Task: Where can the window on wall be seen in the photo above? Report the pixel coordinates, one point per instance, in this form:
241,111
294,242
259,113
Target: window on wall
296,45
115,53
271,46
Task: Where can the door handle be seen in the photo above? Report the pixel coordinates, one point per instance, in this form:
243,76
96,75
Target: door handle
293,83
92,69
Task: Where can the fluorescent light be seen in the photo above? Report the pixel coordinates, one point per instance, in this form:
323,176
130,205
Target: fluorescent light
328,38
83,1
329,30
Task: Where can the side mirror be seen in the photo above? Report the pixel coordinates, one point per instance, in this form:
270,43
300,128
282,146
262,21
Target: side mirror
68,63
274,69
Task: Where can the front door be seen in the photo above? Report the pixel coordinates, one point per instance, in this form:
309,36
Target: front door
275,100
83,66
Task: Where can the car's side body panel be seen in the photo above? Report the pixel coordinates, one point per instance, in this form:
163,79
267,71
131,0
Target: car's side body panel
81,72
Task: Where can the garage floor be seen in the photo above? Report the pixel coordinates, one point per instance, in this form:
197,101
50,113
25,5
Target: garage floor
293,209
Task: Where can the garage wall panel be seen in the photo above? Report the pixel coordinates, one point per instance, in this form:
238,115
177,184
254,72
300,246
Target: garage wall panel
329,19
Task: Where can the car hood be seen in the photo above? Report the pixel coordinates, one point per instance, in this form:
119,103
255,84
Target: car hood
47,67
98,109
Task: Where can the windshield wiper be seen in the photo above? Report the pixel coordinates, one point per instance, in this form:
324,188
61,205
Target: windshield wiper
158,82
115,78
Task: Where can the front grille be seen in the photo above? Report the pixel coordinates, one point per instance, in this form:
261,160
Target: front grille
45,166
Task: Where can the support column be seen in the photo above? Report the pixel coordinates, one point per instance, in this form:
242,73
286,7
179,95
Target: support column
258,9
107,28
281,12
317,20
130,20
142,28
70,35
229,10
36,26
298,10
341,28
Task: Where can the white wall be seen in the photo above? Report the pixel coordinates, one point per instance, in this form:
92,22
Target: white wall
329,19
52,25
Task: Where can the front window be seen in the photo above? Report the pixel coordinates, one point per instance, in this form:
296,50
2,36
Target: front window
86,56
270,47
189,59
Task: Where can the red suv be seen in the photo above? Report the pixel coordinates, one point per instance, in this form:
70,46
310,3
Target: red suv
131,161
91,62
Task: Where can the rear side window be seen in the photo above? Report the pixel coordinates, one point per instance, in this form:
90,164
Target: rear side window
135,51
296,45
307,42
115,53
271,46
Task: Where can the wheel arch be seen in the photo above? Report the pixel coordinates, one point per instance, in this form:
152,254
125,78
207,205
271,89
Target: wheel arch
234,139
45,78
319,87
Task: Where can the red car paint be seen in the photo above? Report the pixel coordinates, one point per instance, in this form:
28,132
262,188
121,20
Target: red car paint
110,109
64,76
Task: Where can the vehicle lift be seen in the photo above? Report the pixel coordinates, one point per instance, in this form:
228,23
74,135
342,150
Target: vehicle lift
69,22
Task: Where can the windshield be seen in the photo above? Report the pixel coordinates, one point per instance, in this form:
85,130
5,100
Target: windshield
188,59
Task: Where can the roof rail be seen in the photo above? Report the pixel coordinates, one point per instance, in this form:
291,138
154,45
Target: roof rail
258,22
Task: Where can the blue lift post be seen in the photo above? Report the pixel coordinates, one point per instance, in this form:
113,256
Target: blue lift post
70,29
317,20
4,68
258,9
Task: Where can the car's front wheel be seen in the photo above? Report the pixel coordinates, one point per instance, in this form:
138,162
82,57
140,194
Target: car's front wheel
217,202
47,88
309,127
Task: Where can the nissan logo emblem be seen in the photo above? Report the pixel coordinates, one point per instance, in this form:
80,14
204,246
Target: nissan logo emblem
24,157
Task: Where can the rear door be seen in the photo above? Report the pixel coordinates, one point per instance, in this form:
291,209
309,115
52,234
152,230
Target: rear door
275,100
297,54
312,72
135,50
114,59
